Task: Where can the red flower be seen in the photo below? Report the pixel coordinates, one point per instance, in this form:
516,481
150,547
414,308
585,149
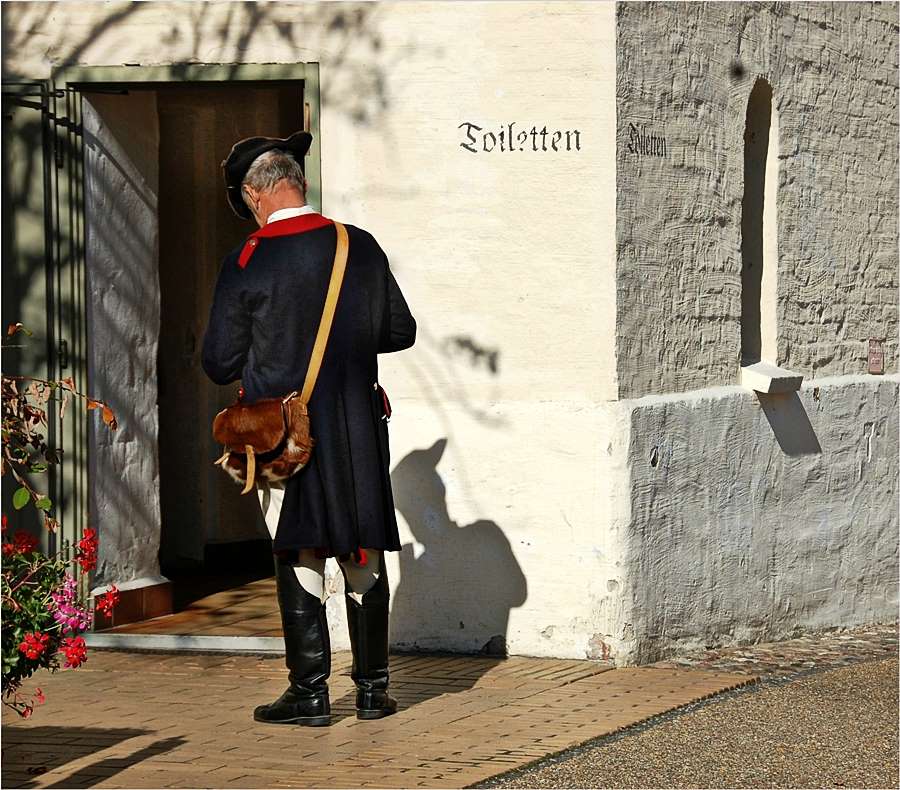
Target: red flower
5,524
75,651
33,644
86,562
86,556
39,696
107,601
22,543
27,711
25,541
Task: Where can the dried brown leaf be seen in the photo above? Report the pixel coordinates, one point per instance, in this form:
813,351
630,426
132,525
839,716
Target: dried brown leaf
109,418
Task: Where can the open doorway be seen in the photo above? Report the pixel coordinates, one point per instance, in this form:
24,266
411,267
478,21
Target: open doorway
211,537
158,228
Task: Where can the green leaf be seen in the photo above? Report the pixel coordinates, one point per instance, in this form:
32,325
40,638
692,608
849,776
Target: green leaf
20,498
43,503
40,467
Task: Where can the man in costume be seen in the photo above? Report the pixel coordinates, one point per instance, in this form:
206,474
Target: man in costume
266,310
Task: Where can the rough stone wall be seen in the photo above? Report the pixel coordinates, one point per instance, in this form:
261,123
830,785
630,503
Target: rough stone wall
684,73
754,516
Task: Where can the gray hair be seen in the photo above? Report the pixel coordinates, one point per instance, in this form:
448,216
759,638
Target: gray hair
271,167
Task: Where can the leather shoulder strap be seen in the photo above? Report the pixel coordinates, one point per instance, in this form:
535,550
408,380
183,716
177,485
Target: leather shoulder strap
334,289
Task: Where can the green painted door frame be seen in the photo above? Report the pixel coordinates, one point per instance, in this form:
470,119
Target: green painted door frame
91,77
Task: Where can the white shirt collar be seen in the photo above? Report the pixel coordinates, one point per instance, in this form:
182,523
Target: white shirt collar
288,213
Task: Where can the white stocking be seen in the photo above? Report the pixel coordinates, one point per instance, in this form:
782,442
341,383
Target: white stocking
310,569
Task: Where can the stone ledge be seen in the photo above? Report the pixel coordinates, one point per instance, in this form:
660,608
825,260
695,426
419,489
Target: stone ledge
768,378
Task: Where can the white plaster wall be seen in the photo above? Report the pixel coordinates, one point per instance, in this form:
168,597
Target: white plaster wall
476,565
762,515
506,253
507,260
397,79
121,142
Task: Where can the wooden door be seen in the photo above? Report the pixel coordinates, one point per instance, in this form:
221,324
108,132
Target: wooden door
198,126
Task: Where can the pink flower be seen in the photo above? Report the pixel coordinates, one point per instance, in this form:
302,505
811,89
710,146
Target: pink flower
65,610
33,644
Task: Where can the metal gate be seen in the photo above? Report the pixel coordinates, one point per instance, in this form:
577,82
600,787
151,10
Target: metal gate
43,263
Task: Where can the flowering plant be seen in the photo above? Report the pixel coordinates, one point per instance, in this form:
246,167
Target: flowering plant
42,613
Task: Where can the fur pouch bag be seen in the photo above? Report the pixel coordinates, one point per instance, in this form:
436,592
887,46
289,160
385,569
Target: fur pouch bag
268,440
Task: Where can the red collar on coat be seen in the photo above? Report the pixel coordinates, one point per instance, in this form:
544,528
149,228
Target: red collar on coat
282,227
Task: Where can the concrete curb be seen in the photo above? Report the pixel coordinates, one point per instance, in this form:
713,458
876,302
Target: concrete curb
177,642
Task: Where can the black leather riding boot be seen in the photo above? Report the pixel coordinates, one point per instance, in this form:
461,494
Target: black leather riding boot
368,626
307,655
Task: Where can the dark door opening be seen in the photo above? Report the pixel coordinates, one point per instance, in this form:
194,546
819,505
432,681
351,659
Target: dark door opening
756,148
212,538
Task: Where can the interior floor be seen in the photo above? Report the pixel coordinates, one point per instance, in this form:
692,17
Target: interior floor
250,609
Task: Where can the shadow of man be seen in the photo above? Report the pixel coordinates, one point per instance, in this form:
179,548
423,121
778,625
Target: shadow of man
458,585
454,594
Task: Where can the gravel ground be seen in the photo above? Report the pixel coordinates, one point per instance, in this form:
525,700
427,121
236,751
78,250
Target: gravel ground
823,728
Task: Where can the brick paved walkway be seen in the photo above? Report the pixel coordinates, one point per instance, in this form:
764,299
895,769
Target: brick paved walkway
182,720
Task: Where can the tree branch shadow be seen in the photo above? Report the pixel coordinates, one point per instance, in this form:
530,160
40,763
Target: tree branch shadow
37,750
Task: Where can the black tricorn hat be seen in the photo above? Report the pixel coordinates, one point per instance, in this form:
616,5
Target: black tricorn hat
243,153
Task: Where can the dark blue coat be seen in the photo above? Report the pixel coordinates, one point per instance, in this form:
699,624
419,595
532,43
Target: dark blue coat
261,330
